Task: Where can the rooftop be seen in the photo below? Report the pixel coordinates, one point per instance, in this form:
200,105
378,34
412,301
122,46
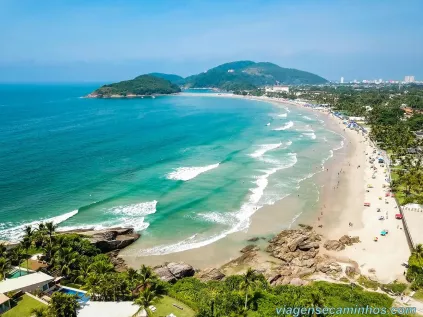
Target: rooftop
9,285
109,309
3,298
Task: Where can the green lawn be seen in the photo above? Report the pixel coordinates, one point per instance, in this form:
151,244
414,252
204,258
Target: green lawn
418,295
24,307
165,307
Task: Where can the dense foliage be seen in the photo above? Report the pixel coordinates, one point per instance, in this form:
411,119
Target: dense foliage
141,85
247,75
174,79
80,263
415,268
227,298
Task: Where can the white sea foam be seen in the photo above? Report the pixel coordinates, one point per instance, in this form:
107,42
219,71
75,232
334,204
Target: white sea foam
286,126
242,217
16,233
308,118
187,173
263,148
217,217
140,209
340,146
283,115
132,215
311,135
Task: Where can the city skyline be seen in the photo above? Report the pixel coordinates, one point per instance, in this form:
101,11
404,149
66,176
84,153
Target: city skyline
108,41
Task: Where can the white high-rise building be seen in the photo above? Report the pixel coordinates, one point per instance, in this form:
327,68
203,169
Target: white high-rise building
409,79
342,80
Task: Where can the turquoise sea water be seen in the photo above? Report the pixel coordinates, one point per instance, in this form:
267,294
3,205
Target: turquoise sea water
185,171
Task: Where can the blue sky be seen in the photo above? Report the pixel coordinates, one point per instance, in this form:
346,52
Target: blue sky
107,40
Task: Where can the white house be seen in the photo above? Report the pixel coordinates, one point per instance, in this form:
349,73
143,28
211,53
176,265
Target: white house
277,89
110,309
4,303
27,283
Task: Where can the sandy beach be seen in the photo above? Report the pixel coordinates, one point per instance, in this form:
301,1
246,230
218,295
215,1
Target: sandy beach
339,211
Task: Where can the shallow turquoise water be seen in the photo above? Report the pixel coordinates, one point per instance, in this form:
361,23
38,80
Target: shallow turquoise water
183,170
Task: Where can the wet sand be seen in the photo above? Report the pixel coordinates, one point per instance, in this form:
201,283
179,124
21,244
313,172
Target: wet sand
268,220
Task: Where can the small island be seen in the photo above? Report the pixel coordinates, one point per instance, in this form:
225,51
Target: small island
141,86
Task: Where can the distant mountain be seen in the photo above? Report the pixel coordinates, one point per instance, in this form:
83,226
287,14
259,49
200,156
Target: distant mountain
143,85
249,75
240,75
174,79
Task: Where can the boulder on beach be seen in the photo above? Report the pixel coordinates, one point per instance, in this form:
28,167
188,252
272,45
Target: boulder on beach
212,274
170,272
334,245
249,248
108,239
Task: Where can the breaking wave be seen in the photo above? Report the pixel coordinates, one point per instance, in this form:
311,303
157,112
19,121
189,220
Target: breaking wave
17,232
187,173
242,217
286,126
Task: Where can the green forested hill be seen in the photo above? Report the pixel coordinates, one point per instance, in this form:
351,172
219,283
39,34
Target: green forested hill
240,75
248,75
141,85
174,79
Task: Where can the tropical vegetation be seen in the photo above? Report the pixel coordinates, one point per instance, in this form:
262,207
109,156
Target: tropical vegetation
79,262
142,85
248,75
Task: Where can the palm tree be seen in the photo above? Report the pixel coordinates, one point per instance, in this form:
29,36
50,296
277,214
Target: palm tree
4,268
146,277
50,228
83,270
28,232
63,305
3,249
65,259
249,281
26,244
133,277
101,267
418,251
146,298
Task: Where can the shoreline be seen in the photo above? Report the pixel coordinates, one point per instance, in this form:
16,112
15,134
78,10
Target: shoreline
340,211
227,248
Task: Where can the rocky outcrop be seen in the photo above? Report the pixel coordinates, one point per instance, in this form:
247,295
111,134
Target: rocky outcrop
117,261
334,245
171,272
210,275
300,244
297,254
347,240
329,267
339,245
249,248
109,239
350,271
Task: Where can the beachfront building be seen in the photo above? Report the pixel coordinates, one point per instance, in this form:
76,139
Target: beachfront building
277,89
4,303
110,309
413,217
28,283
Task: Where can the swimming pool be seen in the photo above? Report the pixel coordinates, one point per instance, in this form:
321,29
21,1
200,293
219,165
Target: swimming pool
83,297
16,273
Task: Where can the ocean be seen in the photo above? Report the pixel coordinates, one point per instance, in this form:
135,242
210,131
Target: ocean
184,171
